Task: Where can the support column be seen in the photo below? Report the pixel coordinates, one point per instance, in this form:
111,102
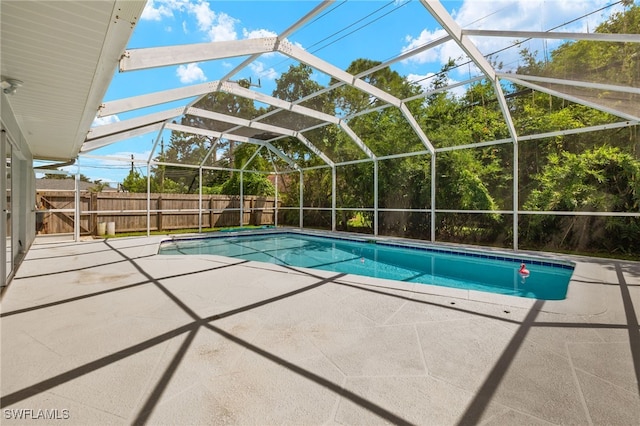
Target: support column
76,221
375,197
275,221
516,184
333,198
241,200
149,200
200,200
433,197
301,213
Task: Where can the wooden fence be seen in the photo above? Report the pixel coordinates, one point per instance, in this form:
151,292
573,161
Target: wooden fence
129,211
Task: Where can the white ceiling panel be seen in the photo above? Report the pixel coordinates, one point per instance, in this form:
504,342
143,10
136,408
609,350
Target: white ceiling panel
65,53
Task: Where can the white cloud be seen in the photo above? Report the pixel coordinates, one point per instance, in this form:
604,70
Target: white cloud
190,73
529,15
223,28
259,70
156,11
440,53
101,121
218,26
258,33
424,81
204,15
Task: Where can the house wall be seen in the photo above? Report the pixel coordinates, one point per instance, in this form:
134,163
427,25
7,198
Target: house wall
19,232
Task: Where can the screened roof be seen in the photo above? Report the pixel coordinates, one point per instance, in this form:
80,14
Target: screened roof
181,108
476,45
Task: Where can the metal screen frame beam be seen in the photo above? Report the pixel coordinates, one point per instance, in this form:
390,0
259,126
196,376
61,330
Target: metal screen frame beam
155,143
333,198
444,88
155,57
452,28
108,140
319,8
345,127
240,121
254,155
156,98
301,55
433,198
606,37
313,149
230,136
573,99
294,52
236,89
575,83
416,128
213,147
133,123
375,197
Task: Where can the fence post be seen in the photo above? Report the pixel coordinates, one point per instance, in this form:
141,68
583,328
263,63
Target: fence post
159,216
252,216
93,206
210,211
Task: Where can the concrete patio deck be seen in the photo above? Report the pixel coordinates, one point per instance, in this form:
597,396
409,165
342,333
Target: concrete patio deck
108,332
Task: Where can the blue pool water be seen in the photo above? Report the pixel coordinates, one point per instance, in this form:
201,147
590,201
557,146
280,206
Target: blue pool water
464,269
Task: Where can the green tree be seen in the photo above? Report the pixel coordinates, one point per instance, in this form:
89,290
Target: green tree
187,148
384,131
602,62
470,179
602,179
134,182
534,112
293,85
253,183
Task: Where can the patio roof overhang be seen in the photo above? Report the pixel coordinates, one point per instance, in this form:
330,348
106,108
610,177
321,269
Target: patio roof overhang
65,54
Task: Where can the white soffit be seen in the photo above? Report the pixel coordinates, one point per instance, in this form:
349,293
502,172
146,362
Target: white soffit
66,53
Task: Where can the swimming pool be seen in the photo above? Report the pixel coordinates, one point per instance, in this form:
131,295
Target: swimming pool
470,270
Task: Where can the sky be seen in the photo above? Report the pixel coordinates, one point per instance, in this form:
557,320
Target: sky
345,31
